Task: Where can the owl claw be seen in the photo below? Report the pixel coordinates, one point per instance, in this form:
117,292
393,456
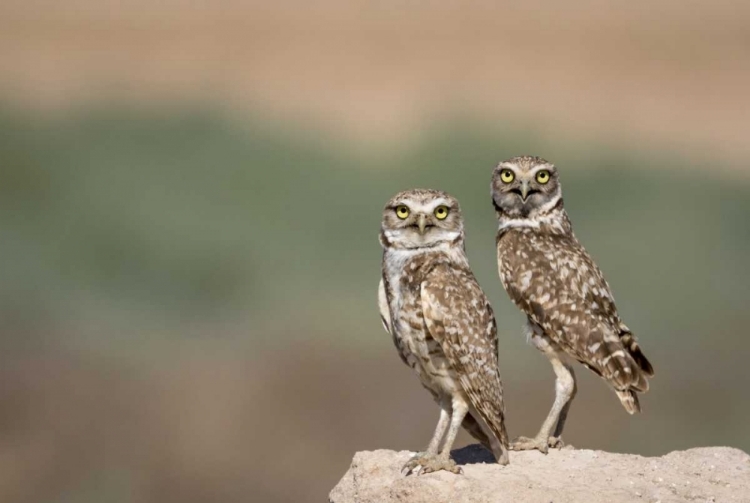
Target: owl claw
528,444
557,443
422,464
413,466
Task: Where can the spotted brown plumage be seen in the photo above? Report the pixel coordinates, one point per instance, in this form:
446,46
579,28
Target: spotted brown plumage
457,314
549,275
441,322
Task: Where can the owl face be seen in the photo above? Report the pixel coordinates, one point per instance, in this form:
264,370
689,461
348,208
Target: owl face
421,218
525,186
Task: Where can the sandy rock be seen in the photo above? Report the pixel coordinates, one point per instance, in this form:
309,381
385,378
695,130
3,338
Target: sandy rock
711,474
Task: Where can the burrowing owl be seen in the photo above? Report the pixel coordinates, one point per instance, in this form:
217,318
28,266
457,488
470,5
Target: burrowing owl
550,277
441,322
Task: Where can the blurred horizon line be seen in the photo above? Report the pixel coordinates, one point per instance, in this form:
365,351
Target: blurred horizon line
374,74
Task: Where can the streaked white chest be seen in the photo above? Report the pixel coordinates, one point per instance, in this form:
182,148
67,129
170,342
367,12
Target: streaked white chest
422,352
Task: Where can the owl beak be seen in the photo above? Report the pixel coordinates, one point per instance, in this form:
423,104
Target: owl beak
525,190
422,224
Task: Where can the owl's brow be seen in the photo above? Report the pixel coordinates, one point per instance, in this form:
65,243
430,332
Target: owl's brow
439,202
540,167
514,168
517,169
423,206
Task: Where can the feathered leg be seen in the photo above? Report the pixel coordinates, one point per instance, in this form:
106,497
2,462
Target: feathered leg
442,425
430,462
565,389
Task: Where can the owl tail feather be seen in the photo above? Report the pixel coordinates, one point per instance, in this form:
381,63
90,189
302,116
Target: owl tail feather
628,340
622,364
498,447
630,401
472,426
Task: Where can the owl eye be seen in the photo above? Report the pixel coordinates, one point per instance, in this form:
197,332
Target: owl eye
441,212
542,176
507,176
402,211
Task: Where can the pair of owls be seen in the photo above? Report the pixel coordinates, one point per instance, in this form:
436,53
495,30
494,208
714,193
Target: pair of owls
444,328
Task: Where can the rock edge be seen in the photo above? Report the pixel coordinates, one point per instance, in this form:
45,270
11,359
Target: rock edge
709,474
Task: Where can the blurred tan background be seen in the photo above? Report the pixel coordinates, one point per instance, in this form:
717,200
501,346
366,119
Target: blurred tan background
189,207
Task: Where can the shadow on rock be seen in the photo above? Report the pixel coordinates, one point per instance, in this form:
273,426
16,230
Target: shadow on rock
472,454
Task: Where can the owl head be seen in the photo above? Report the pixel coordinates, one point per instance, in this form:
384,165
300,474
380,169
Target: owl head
421,218
524,187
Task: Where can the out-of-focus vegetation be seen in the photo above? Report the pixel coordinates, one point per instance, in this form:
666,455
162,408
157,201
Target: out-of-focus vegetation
145,238
172,218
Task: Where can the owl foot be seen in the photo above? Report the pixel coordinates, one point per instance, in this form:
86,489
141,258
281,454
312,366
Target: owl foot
557,443
540,444
424,463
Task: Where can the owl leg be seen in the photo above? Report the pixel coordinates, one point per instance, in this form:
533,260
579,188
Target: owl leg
437,437
570,389
432,462
415,463
565,389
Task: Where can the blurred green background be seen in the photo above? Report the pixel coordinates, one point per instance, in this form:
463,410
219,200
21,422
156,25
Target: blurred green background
190,254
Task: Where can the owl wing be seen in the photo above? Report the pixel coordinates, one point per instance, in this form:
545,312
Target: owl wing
385,316
556,283
385,313
459,317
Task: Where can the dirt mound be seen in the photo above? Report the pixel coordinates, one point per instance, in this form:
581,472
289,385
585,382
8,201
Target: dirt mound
711,474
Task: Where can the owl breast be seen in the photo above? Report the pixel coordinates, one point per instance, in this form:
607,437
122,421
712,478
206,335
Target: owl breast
417,347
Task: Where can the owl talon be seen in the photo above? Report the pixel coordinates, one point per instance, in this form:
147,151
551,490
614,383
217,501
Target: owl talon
422,464
529,444
414,465
557,443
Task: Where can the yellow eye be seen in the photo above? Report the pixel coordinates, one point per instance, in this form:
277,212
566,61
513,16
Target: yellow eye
441,212
542,176
507,176
402,212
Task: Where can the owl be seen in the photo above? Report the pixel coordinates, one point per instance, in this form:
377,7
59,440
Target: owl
571,315
441,323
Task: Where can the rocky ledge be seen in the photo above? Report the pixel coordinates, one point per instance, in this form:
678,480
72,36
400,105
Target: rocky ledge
710,474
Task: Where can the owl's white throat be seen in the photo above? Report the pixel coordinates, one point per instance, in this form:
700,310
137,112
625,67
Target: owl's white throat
402,240
516,223
554,220
395,259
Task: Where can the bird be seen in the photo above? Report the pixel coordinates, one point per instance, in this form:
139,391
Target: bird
441,323
549,276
